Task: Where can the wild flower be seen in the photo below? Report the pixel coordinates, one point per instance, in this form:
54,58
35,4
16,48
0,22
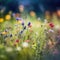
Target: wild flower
51,25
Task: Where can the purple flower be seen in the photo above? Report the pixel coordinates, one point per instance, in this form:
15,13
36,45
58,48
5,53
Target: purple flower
18,18
22,23
50,30
29,24
21,32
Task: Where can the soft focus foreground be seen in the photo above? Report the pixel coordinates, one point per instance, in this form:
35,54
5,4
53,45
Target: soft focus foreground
29,38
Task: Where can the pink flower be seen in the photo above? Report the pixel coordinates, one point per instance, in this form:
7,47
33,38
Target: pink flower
27,41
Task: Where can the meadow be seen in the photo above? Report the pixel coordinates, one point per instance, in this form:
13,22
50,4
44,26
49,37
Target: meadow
29,38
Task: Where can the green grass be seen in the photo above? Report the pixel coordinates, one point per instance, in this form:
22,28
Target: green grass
36,35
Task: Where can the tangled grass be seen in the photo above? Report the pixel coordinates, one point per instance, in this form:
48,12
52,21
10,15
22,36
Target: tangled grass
27,42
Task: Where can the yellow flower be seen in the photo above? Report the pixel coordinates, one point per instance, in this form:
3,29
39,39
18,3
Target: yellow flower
1,20
4,33
32,13
7,17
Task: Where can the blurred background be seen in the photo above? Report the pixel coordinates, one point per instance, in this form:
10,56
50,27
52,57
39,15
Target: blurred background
38,6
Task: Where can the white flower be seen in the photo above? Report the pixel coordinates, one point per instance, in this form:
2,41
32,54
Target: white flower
9,49
25,44
36,33
50,30
45,28
18,48
16,24
13,14
39,18
57,26
47,32
45,21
